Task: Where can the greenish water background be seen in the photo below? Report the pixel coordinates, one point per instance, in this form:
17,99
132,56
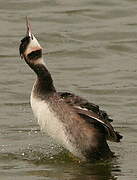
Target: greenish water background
90,47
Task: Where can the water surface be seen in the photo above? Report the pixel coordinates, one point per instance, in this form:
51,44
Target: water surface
91,49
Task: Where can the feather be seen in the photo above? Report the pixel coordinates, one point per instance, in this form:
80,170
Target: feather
92,114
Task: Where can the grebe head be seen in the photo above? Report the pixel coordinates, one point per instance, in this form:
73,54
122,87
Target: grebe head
30,48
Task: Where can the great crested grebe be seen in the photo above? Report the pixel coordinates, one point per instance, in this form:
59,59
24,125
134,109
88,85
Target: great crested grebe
76,124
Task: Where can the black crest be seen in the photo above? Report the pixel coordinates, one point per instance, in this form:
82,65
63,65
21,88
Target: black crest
24,43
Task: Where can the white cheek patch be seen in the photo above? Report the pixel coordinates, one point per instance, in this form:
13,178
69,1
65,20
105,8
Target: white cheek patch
33,46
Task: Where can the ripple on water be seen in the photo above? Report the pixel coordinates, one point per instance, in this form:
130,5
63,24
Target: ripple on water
91,50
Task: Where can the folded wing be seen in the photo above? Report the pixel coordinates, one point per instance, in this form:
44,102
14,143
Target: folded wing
92,114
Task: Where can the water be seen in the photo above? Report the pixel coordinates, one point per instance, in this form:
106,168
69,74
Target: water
90,49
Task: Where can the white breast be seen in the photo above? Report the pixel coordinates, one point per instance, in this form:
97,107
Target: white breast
47,119
50,123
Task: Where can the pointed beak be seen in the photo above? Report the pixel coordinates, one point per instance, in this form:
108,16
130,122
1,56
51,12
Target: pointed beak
29,32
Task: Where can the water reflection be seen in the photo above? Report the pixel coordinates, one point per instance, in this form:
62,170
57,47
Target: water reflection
39,164
75,172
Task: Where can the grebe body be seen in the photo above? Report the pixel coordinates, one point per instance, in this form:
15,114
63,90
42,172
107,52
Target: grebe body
78,125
